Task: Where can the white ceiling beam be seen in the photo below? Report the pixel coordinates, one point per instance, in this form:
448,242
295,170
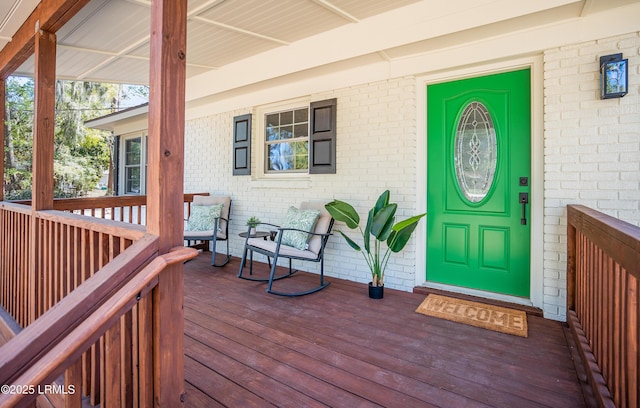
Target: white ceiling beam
238,30
406,25
194,16
113,56
336,10
384,56
9,14
588,4
100,52
204,7
118,55
529,41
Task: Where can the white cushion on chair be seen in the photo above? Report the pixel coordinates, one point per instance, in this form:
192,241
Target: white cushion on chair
285,250
202,234
321,227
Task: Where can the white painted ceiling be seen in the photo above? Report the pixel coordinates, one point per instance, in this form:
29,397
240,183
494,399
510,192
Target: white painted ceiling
108,40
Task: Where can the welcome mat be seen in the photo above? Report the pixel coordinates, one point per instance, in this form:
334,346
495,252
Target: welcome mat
496,318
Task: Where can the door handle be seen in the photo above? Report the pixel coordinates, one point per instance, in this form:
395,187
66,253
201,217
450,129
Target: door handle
524,200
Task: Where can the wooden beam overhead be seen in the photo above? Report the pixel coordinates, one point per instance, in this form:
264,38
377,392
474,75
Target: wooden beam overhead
49,15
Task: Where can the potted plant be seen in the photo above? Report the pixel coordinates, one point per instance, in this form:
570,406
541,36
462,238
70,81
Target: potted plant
252,222
380,226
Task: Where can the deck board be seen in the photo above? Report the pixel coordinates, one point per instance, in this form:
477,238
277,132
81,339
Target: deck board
339,348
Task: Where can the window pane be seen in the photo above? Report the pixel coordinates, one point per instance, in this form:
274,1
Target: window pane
301,155
286,118
273,120
132,175
288,156
475,154
280,157
301,115
272,133
132,151
286,132
301,130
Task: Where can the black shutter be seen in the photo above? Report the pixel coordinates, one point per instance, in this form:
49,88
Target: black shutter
242,145
322,138
115,158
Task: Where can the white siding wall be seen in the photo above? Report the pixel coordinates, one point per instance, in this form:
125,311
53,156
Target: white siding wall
592,149
376,150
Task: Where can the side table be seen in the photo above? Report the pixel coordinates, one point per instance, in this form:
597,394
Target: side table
257,234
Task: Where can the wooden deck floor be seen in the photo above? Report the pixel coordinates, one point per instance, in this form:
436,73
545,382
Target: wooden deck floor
338,348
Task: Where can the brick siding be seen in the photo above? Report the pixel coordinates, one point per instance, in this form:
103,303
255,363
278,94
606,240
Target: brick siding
591,149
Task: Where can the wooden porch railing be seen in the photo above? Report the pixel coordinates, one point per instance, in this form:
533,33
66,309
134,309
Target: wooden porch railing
56,341
129,209
15,222
603,269
46,255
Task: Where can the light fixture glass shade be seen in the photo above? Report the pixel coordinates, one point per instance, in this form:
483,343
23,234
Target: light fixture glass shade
614,76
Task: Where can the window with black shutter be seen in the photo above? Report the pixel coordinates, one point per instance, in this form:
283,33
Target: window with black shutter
298,138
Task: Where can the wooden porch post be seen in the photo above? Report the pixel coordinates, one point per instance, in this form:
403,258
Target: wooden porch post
43,120
165,208
42,167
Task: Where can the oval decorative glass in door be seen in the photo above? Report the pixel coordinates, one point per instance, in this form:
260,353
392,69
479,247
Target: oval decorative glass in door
475,152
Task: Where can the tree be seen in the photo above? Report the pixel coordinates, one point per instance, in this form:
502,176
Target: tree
80,154
18,138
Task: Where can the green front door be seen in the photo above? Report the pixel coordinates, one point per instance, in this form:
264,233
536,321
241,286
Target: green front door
478,174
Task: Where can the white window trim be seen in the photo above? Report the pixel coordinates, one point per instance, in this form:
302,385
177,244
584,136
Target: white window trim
260,142
143,163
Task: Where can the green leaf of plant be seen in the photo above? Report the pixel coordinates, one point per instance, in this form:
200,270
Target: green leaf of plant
383,222
351,242
401,233
382,202
343,212
366,235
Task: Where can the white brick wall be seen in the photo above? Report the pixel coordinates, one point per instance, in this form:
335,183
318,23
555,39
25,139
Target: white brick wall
376,150
592,149
591,157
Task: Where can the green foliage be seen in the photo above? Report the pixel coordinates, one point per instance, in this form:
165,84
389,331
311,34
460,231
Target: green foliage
80,154
73,175
17,184
380,226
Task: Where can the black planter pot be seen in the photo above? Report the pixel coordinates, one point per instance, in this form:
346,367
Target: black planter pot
376,292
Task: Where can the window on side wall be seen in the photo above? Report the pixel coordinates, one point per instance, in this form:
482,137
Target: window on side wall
298,138
134,165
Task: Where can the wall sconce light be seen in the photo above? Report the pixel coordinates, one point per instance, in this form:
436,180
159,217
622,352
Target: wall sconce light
614,76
